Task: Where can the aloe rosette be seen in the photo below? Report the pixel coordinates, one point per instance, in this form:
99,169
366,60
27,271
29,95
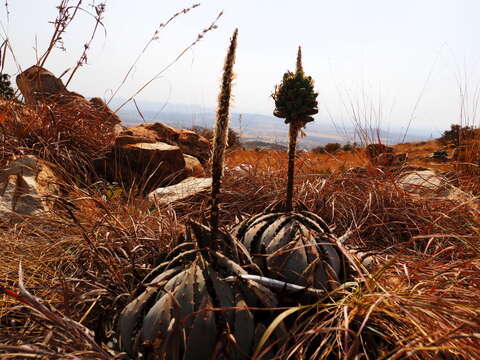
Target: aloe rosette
196,311
295,247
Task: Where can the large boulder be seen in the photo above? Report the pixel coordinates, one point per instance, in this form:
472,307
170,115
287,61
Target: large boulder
146,165
153,155
188,141
27,186
39,85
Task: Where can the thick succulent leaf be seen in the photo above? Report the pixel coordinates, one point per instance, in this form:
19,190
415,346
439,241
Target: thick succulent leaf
223,292
161,279
316,275
239,230
130,318
227,266
200,233
263,218
175,301
203,336
171,284
271,232
156,322
331,255
257,295
332,276
249,223
289,263
317,220
184,296
238,252
252,237
285,233
199,289
244,329
184,252
170,345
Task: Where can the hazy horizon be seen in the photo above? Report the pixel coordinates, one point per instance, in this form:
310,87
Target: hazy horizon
389,61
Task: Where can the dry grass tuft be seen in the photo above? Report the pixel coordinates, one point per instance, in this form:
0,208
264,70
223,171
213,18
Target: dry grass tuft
416,307
69,134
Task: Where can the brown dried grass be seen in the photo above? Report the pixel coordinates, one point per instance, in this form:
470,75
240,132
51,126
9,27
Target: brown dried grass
421,301
67,133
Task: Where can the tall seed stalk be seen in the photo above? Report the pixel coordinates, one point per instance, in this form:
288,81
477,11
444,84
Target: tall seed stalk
221,136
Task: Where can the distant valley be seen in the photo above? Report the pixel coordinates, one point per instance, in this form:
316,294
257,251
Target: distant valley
256,127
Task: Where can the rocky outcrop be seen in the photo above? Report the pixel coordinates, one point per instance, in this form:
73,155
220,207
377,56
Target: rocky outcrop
195,145
428,183
146,156
188,141
145,165
152,155
181,191
40,86
26,185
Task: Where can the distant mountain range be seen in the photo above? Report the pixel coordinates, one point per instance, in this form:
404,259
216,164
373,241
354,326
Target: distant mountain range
255,127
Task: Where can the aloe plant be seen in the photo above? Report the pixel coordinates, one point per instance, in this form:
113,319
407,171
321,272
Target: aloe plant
296,102
173,317
294,246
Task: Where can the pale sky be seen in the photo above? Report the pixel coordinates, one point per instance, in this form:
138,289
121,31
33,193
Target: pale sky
382,53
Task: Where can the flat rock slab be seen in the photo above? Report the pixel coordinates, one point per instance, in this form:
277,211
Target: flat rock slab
425,183
188,187
188,141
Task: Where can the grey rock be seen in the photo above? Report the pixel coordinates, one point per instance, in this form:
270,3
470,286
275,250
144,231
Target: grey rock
188,187
26,185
